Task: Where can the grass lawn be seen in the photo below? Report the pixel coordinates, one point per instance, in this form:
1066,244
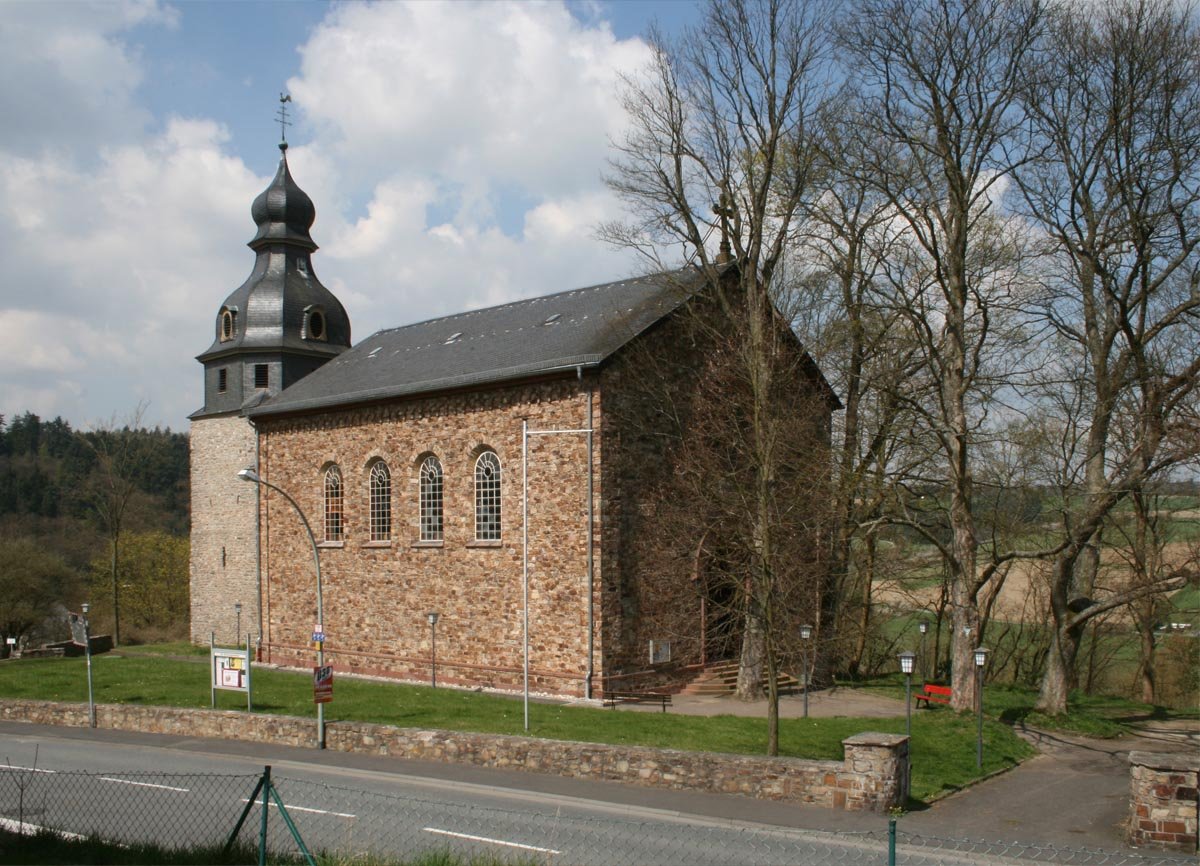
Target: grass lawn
1099,716
943,745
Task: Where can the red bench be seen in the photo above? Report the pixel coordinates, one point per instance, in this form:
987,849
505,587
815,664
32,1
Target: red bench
937,694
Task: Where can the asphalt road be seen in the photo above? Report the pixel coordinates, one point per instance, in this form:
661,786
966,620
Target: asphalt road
183,790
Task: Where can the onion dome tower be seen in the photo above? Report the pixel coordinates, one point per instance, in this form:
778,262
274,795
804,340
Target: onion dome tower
281,323
275,328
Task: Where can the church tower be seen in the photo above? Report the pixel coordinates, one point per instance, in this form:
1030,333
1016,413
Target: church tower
274,329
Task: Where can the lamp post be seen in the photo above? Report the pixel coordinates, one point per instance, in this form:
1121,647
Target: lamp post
248,474
981,654
237,609
87,651
805,635
906,666
432,616
923,627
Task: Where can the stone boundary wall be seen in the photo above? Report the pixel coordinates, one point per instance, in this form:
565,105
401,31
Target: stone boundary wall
873,777
1164,806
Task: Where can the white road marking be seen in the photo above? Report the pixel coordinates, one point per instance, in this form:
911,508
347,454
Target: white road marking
27,769
26,827
306,809
144,784
491,841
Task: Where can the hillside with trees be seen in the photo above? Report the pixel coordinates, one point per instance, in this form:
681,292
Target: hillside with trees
59,528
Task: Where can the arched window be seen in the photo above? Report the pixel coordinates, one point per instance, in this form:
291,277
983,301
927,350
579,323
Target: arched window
487,497
228,324
431,499
333,504
381,502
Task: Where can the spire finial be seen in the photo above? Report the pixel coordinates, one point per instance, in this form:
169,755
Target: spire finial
281,116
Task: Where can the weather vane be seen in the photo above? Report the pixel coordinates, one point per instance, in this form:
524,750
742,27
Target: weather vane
281,116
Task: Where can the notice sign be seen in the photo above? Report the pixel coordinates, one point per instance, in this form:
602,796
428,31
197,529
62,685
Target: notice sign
230,669
323,684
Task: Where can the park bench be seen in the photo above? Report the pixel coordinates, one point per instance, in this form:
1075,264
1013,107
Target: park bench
611,699
937,694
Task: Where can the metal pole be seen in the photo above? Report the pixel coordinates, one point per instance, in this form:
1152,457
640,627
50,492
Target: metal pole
979,733
908,706
804,648
237,609
87,651
891,842
251,475
433,653
591,566
525,561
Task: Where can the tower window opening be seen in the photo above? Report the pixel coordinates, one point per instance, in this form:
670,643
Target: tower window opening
262,376
222,380
314,324
228,325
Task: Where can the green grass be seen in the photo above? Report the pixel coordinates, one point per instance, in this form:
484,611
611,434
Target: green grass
171,682
48,849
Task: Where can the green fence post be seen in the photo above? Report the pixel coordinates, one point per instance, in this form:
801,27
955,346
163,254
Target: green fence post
242,820
262,836
891,842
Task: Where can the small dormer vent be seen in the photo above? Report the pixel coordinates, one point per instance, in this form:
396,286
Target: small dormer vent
453,338
550,320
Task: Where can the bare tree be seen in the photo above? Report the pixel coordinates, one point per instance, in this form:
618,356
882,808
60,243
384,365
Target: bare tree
721,146
112,489
1115,106
940,81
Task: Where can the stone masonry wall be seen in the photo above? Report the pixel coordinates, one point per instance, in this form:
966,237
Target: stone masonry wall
872,777
223,554
1163,802
376,594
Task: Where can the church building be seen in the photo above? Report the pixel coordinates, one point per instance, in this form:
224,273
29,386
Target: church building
497,468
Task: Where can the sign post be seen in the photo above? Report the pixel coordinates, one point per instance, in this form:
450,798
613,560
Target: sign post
230,670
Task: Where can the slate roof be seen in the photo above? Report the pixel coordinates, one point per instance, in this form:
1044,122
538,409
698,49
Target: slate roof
578,328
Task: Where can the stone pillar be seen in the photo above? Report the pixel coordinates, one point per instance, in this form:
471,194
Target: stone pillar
1163,803
876,772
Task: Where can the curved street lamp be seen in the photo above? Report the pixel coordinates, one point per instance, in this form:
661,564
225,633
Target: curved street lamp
248,474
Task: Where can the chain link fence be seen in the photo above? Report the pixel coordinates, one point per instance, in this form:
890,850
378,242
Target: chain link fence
176,810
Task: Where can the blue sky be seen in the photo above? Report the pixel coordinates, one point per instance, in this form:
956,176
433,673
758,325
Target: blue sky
454,151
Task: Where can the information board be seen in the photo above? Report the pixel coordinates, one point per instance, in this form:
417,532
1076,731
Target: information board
323,684
230,670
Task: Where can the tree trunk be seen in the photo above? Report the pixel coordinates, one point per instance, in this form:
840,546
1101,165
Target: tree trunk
115,594
1059,679
750,663
864,614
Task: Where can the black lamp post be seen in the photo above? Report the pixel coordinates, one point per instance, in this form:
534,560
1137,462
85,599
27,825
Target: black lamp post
981,654
432,616
923,628
906,666
87,651
237,609
805,636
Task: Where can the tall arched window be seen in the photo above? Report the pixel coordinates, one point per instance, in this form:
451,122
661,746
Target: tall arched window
381,502
487,497
333,504
431,499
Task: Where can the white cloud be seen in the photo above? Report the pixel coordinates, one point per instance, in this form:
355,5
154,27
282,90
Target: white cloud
455,162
